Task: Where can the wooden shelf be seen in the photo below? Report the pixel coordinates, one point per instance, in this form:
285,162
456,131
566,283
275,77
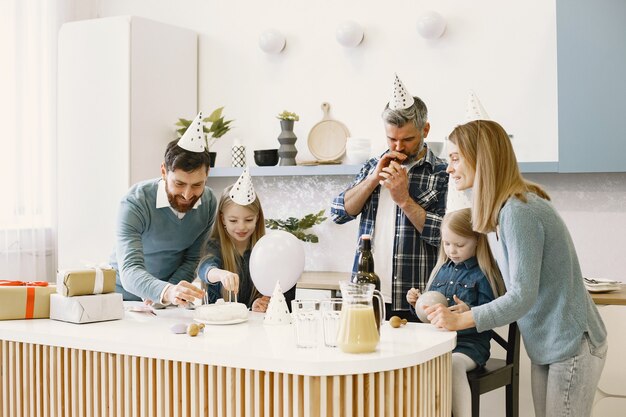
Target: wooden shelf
296,170
282,171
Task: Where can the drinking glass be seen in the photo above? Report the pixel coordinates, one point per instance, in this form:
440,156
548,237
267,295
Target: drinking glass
331,316
306,319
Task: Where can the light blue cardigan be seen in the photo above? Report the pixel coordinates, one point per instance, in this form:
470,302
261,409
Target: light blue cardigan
545,290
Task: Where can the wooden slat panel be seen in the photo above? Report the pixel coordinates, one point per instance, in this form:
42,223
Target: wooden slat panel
37,380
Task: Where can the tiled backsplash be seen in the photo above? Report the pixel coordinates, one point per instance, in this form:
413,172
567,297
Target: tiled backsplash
593,206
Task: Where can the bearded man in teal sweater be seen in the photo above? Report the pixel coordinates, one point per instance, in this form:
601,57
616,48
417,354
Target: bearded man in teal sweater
162,226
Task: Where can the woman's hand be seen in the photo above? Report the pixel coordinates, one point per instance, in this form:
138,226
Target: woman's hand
260,304
412,295
441,317
459,307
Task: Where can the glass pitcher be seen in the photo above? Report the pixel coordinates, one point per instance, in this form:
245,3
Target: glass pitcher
357,328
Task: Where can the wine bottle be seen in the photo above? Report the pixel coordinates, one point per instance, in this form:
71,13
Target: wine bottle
365,272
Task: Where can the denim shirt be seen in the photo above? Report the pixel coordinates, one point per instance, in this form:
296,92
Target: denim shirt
414,253
468,282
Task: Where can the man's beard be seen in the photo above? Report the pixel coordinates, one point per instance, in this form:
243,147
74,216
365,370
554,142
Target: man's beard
179,207
414,156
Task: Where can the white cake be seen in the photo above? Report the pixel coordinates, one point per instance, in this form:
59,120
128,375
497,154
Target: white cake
221,311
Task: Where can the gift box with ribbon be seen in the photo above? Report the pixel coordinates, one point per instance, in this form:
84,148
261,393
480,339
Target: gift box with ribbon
71,283
25,300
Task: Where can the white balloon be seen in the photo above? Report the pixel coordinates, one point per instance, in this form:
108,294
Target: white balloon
272,41
431,25
429,298
276,257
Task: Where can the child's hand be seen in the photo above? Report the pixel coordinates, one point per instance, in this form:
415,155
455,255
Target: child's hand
260,304
229,280
459,307
412,295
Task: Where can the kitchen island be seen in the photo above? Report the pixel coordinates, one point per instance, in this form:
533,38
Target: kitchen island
137,367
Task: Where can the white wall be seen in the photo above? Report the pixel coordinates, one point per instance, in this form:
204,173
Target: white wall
505,51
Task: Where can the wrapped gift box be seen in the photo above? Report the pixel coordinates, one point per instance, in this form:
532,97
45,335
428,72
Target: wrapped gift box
87,308
19,300
71,283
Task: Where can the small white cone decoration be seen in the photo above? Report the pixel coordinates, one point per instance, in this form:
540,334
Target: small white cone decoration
475,109
277,311
400,98
193,139
242,192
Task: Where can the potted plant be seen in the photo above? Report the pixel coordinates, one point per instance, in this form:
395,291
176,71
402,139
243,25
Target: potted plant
298,227
214,127
287,115
287,139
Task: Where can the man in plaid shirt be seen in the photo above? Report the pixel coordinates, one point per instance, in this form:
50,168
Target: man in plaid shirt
401,197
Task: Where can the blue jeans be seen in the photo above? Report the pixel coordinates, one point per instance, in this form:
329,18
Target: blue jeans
567,388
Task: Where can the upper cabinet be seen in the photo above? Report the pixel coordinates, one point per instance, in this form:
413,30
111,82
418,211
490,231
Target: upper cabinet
122,84
591,56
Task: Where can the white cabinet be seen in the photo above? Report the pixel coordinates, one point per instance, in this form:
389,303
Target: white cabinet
122,83
610,399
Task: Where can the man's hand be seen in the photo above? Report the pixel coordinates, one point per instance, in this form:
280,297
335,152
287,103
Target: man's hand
396,179
182,294
412,295
386,160
260,304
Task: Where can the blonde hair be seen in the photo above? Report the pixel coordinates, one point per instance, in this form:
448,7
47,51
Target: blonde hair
487,149
460,222
230,257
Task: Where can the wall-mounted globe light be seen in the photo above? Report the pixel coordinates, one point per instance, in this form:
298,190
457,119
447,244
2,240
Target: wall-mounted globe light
272,41
349,34
431,25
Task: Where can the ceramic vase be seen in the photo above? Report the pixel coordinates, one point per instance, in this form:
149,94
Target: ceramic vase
287,150
238,156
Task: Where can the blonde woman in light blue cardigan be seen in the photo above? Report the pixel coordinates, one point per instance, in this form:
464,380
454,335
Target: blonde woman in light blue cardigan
561,327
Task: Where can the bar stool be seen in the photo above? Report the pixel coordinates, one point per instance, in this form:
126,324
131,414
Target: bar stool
499,373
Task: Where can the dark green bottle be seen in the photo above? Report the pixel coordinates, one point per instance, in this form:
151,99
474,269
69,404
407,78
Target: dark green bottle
365,273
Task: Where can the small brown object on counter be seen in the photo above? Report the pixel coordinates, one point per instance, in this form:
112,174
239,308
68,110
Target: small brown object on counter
193,329
396,322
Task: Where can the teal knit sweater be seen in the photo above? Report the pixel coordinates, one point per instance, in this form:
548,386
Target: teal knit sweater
155,247
545,290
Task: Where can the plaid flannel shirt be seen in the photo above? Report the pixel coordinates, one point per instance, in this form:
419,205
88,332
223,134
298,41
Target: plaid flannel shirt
414,253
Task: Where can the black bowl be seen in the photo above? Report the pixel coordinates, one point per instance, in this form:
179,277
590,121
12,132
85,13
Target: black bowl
266,157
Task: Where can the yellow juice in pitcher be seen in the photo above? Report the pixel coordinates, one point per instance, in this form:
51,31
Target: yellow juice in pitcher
357,330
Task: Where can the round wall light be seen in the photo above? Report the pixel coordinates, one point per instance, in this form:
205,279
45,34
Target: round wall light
272,41
349,34
431,25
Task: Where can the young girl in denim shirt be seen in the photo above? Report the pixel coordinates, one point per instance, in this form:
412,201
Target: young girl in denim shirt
467,275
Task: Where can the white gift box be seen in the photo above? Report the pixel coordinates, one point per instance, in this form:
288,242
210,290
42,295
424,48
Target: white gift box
87,308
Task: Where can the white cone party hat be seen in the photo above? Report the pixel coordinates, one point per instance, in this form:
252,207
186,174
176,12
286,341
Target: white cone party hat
277,311
193,139
242,192
400,97
474,110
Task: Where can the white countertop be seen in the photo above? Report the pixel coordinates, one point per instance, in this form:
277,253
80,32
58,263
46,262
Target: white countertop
249,345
